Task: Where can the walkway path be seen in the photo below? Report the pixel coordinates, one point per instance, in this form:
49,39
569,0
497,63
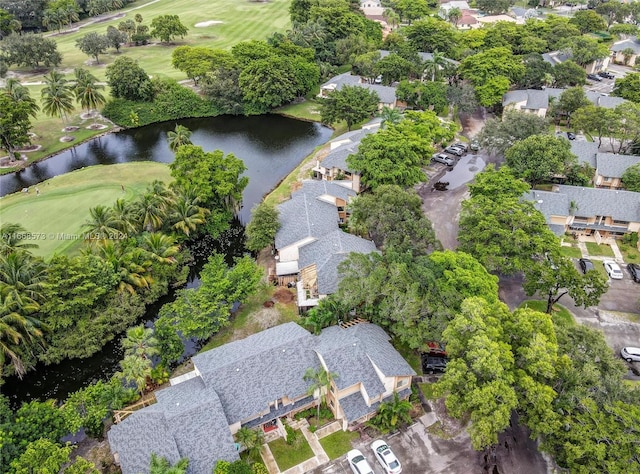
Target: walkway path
320,456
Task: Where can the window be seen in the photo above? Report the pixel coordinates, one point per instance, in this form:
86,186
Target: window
607,179
401,383
331,404
331,388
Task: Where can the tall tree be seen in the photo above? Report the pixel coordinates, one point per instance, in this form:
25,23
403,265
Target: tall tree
166,27
262,228
93,44
319,383
140,341
498,135
593,120
14,123
631,178
135,370
539,157
128,80
30,50
352,104
87,90
57,96
393,217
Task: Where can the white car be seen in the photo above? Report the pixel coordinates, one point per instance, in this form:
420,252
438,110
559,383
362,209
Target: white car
630,354
358,463
385,457
613,270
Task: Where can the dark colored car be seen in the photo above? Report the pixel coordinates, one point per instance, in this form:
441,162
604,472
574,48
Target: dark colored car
634,270
594,77
606,75
432,364
571,135
586,265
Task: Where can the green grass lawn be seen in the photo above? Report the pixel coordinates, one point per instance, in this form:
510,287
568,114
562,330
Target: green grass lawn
339,443
307,110
560,314
599,250
64,202
287,456
240,20
571,252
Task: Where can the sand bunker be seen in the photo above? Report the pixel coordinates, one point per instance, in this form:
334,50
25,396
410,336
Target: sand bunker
204,24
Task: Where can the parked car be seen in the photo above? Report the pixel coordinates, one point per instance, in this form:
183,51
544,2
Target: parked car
454,150
461,145
444,159
586,265
630,354
432,364
378,80
594,77
385,457
475,145
613,270
571,135
358,463
634,271
606,75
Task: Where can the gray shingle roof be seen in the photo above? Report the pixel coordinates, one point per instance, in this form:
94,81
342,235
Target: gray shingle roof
555,57
585,151
539,99
328,252
344,355
250,373
549,203
620,205
188,421
380,351
613,166
317,188
142,433
337,158
627,43
386,94
303,216
355,407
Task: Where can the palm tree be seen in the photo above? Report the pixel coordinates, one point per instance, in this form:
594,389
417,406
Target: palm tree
22,278
20,93
181,135
161,465
87,90
251,440
321,382
12,239
18,332
132,266
102,225
140,341
390,414
136,370
161,247
152,211
389,115
454,16
432,66
124,217
57,96
186,215
391,17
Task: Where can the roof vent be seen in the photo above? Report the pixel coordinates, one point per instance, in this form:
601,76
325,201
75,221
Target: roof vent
284,350
238,369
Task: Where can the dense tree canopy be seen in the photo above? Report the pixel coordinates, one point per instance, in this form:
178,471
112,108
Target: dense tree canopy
261,230
393,217
166,27
352,104
628,87
631,178
93,44
498,135
539,157
128,80
30,50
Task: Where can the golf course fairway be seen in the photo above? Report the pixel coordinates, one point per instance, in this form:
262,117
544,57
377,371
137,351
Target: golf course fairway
55,215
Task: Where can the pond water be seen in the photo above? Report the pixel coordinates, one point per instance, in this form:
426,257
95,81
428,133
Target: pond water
271,146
